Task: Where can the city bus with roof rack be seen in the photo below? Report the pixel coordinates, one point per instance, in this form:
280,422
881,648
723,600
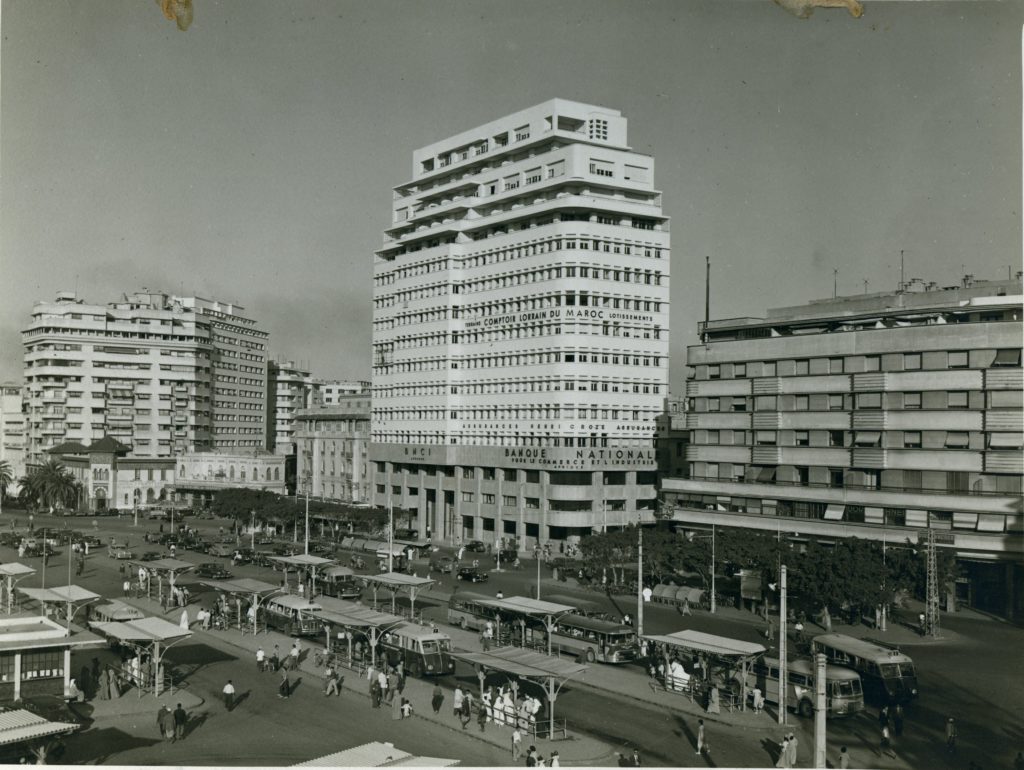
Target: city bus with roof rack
421,650
887,675
592,639
292,615
844,695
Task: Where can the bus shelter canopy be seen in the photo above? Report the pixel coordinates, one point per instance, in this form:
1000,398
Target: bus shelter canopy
532,607
397,581
523,663
145,630
354,615
376,754
303,560
117,610
710,644
14,569
243,586
165,565
73,594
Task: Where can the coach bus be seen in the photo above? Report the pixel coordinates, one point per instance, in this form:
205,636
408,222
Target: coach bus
293,615
887,674
843,693
592,640
340,582
423,652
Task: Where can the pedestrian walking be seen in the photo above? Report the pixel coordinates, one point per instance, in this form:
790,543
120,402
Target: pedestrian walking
333,686
783,760
396,706
554,761
951,736
481,717
374,693
792,747
295,654
165,722
758,700
180,720
635,759
393,686
702,745
126,587
844,758
883,716
436,699
284,689
467,710
229,695
261,660
517,744
885,742
275,658
457,702
406,708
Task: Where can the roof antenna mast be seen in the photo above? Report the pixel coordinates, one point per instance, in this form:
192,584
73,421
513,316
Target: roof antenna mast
707,296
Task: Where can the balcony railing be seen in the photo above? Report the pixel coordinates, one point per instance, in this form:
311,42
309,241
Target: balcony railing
858,487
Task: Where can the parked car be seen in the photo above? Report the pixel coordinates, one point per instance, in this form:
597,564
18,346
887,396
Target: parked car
508,555
264,540
198,546
10,539
476,545
151,556
242,556
220,549
442,564
212,570
92,541
119,552
472,574
263,559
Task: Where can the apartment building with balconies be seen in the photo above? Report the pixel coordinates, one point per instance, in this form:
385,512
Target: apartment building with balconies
877,416
159,373
520,338
12,432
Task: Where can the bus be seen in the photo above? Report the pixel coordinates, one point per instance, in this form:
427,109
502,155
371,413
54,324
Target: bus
423,652
293,615
465,610
887,674
594,640
340,582
843,693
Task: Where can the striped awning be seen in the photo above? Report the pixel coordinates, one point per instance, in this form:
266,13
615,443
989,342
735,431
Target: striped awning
21,725
834,512
917,518
991,522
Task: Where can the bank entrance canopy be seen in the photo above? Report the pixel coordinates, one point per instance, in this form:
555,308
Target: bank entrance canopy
550,673
254,591
523,608
352,616
397,582
72,597
155,634
734,650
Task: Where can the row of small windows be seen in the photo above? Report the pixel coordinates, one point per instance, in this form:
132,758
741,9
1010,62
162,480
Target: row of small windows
906,439
894,362
605,245
820,402
518,440
547,412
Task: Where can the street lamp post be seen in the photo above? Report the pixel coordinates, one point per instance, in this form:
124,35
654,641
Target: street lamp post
713,604
536,553
783,663
306,533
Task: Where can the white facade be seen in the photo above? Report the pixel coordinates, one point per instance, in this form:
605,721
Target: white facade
521,323
332,447
160,373
291,389
333,392
12,432
210,471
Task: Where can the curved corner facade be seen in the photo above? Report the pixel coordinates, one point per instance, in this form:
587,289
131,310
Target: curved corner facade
520,331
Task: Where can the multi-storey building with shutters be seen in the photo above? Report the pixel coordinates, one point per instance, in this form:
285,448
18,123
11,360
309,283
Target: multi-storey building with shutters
161,374
520,332
877,416
332,443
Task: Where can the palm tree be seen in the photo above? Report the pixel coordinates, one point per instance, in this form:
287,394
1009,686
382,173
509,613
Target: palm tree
6,477
53,485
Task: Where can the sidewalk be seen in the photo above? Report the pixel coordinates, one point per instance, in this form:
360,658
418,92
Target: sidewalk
577,749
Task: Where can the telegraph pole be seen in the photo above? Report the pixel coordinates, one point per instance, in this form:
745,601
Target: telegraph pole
639,581
931,611
783,672
820,710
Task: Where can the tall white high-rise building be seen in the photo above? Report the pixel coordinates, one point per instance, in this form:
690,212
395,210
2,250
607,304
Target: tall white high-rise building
161,374
520,332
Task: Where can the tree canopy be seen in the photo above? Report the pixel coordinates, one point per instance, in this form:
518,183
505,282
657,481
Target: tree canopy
240,504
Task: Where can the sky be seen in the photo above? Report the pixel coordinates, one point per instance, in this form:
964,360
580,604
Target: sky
251,158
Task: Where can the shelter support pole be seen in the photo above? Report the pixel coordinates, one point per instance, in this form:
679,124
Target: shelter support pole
67,671
481,674
820,710
550,626
155,664
373,647
552,695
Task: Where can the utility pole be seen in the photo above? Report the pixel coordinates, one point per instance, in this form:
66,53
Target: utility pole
783,672
713,604
707,297
306,533
639,581
931,610
820,710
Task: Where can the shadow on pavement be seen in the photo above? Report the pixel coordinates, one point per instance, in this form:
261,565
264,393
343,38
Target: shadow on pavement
98,746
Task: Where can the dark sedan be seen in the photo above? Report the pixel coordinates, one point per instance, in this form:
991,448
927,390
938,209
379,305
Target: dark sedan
212,571
472,574
476,545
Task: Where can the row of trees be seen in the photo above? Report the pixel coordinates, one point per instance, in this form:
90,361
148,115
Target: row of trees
277,510
50,485
821,578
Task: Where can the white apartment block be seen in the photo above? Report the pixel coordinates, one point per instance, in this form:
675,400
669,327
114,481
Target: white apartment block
883,416
520,332
290,389
162,374
332,449
333,392
12,432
